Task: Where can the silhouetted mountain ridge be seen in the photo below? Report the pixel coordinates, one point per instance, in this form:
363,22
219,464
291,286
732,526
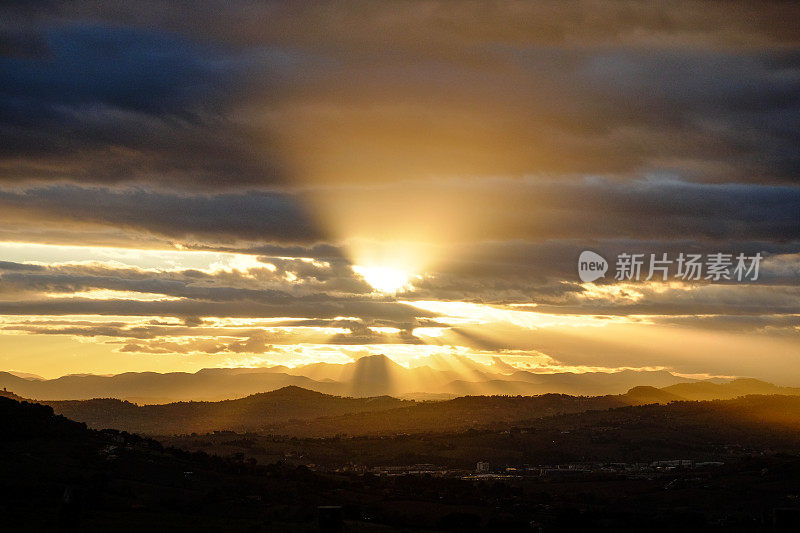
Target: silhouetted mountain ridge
643,395
708,390
252,413
297,411
365,377
24,420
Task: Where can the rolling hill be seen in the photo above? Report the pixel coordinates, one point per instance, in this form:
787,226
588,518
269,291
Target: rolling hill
297,411
253,413
708,390
300,412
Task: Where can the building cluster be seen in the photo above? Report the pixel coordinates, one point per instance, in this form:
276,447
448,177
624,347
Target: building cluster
485,470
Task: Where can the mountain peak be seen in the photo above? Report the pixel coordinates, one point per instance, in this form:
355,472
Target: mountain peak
643,394
749,381
294,390
376,357
374,375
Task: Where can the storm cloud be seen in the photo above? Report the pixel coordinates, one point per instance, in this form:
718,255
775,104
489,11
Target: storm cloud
269,93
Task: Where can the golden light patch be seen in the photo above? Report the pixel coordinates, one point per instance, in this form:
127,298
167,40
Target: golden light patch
110,294
385,279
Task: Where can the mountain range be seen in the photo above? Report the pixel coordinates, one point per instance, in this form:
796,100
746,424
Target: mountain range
368,376
301,412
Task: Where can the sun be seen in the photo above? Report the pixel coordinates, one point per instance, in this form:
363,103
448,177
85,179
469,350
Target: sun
384,279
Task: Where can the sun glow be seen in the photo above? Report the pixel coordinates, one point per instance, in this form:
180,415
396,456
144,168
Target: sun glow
384,279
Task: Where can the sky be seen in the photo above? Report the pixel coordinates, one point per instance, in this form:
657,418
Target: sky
212,184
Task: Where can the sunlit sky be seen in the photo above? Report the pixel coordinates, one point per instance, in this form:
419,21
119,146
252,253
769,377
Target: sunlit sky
185,186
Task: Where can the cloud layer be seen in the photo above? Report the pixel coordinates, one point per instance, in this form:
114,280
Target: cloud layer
200,180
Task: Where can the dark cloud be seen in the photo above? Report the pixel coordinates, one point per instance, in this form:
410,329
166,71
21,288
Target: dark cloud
541,274
318,307
277,280
473,210
788,325
659,208
222,217
10,266
113,103
545,272
243,93
322,252
415,27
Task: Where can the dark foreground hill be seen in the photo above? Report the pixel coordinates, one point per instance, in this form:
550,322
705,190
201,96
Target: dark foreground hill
60,476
